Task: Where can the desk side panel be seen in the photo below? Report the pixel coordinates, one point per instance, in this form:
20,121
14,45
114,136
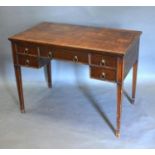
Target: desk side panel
131,56
13,46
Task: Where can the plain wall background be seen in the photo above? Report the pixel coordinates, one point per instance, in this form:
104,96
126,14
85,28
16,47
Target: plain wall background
16,19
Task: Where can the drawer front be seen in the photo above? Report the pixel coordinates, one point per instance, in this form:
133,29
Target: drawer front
103,74
103,60
27,49
76,57
28,61
46,52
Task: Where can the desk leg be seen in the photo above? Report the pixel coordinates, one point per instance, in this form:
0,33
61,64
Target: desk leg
19,87
120,77
49,74
119,108
134,81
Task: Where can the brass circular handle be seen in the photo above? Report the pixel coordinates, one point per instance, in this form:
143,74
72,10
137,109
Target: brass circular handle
50,54
102,63
26,50
27,62
75,59
103,75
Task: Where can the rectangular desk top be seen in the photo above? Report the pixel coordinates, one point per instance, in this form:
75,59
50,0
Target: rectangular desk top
115,41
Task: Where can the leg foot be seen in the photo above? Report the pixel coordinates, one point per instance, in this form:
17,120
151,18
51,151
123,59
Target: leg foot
117,134
22,110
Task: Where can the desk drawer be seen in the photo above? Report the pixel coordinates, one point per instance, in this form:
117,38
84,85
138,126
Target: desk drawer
103,74
31,61
103,60
74,56
27,49
28,61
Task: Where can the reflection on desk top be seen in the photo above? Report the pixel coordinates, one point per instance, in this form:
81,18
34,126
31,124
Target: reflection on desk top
115,41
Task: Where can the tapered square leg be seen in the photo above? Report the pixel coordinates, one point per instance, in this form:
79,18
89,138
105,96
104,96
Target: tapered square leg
120,79
134,81
49,79
119,108
19,87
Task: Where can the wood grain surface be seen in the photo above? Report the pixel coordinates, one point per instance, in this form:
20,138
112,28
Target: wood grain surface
115,41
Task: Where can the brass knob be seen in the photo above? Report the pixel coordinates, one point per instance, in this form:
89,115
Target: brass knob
75,59
50,54
26,50
27,62
103,75
102,63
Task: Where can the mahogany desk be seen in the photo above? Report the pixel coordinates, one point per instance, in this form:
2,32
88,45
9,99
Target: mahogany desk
110,54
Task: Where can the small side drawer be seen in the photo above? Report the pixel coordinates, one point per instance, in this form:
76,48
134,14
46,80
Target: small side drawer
103,74
28,61
31,61
27,49
77,57
103,60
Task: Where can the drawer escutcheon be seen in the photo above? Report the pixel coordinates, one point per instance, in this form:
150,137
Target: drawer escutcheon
27,62
103,75
26,50
103,62
75,59
50,54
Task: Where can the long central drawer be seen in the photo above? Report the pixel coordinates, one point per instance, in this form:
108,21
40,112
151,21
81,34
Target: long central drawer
74,56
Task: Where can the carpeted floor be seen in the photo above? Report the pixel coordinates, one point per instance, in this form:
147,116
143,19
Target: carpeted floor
75,116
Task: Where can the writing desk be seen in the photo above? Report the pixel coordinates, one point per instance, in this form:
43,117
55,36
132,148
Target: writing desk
110,54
